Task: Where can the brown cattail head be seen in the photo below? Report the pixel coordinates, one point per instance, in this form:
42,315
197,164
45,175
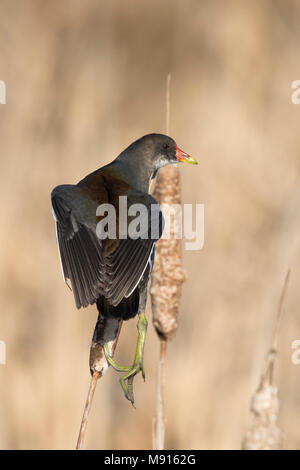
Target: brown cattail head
264,433
168,274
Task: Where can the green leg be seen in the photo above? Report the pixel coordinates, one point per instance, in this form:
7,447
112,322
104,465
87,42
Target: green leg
112,362
137,363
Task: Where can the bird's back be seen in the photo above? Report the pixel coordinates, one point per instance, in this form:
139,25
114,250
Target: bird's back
106,271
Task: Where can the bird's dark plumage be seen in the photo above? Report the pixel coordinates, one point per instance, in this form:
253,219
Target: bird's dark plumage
109,271
112,267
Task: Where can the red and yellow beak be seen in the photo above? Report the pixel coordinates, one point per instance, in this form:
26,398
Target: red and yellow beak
184,157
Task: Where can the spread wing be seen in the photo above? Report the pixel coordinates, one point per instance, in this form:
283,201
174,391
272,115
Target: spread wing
95,266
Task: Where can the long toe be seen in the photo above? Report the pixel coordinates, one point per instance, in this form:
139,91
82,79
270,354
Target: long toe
130,395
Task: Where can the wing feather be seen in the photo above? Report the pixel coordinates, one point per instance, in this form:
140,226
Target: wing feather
85,262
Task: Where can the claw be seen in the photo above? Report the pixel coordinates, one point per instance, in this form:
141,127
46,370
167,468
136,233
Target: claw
129,394
143,373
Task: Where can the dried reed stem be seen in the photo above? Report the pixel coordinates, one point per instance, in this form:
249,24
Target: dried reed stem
264,433
159,423
107,330
167,278
87,408
168,103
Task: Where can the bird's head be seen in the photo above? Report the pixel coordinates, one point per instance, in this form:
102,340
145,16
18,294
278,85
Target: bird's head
158,150
146,155
165,151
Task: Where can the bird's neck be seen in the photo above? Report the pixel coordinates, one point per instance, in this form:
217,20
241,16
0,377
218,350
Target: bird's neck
136,175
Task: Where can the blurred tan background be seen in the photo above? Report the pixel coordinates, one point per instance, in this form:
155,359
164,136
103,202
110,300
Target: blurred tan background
85,79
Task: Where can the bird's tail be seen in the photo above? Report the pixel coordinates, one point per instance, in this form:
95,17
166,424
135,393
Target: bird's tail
126,309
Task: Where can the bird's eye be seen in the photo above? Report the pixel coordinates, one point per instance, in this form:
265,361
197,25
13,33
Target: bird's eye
165,146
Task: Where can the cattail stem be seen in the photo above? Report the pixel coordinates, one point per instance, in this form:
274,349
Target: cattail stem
168,103
106,331
265,434
167,278
159,423
87,408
